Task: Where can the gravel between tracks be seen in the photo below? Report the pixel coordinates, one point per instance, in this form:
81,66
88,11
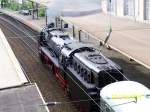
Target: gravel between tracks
35,70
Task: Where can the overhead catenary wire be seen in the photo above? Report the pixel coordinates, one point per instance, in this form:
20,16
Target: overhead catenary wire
107,38
109,34
19,36
77,101
91,99
117,69
104,70
39,35
30,49
111,76
123,103
53,103
18,29
114,67
61,103
83,90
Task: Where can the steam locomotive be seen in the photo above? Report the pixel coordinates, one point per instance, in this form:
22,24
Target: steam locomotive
80,68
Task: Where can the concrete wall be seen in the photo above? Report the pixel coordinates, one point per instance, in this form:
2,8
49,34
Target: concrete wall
104,5
141,10
120,8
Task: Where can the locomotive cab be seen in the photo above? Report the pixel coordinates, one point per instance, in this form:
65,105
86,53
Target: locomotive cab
102,70
89,69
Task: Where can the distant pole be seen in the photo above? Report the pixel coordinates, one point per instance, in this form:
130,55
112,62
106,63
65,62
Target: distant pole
110,14
46,15
37,11
56,21
73,31
110,30
61,24
32,10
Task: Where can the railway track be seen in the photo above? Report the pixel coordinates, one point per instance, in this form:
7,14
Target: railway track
25,49
24,43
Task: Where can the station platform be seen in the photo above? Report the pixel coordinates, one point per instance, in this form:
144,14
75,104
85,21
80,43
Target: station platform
11,73
25,98
35,24
128,37
17,93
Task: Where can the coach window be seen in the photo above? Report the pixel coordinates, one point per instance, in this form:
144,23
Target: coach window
85,75
78,69
70,63
107,109
92,78
82,72
96,80
46,35
88,77
61,58
50,36
75,66
102,104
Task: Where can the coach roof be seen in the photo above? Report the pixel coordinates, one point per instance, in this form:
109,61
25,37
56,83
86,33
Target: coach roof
127,96
96,61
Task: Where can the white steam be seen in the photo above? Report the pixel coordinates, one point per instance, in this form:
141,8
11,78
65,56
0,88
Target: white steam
56,7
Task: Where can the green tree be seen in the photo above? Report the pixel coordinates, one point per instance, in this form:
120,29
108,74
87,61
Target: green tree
4,3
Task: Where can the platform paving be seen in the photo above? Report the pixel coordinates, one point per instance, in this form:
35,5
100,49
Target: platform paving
22,99
128,37
11,73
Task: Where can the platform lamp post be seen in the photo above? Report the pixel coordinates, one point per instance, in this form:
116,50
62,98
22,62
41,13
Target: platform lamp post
46,8
110,29
79,35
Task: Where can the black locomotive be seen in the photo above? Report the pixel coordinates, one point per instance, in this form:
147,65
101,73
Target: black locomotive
80,68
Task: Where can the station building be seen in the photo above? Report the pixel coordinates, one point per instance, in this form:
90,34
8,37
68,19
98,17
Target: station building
138,10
